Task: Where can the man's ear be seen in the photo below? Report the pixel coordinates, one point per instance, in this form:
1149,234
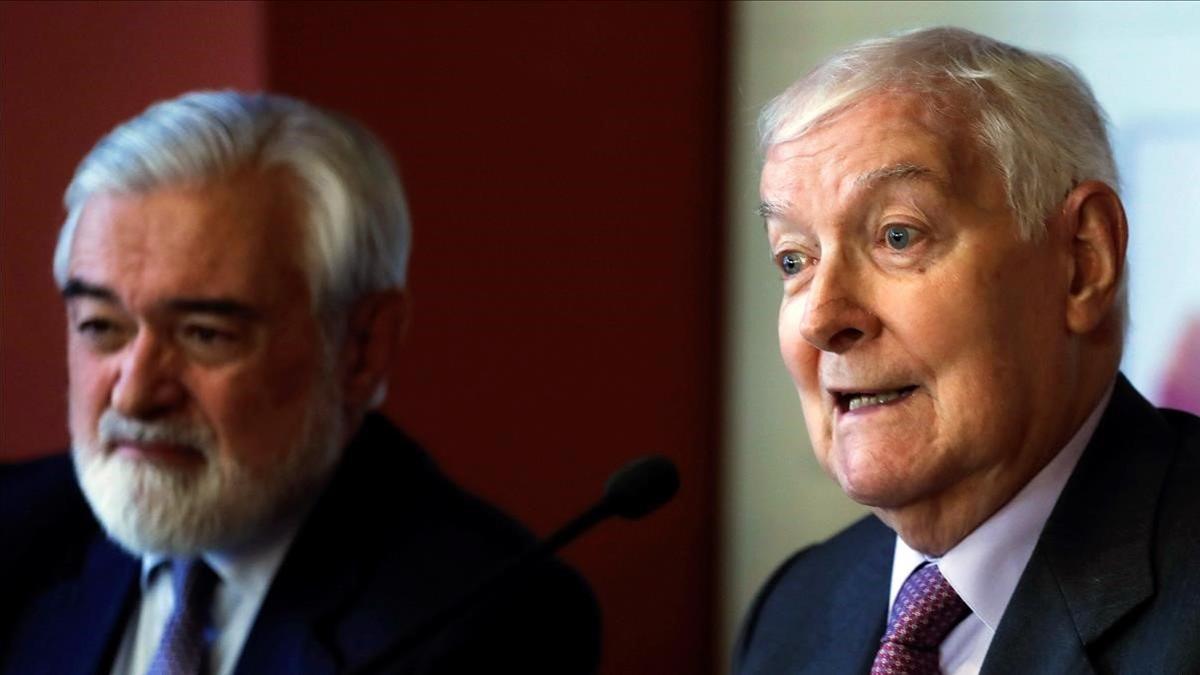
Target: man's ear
1094,221
374,326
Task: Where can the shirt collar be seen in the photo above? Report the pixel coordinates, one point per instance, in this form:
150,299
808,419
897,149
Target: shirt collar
984,568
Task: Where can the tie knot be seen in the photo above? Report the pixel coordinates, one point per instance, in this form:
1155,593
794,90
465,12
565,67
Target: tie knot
925,611
193,581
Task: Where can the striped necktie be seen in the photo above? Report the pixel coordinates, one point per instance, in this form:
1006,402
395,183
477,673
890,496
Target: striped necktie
184,646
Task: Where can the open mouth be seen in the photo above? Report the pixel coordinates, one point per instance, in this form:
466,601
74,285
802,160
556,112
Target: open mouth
854,400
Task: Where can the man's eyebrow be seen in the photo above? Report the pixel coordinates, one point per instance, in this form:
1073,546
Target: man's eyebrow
75,288
898,171
220,306
768,209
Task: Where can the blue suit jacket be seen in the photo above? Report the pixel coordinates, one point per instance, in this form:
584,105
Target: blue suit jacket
390,542
1113,584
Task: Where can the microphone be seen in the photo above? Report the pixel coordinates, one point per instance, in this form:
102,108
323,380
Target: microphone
633,491
641,486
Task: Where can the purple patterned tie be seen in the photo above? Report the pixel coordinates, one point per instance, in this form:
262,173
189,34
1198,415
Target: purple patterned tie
925,611
184,646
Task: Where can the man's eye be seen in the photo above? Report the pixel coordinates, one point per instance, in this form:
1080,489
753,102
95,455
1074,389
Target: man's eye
203,334
95,326
208,336
791,263
211,344
103,334
899,237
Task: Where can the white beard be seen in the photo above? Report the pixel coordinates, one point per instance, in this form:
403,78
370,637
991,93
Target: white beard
150,508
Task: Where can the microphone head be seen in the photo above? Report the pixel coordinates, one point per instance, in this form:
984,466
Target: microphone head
641,486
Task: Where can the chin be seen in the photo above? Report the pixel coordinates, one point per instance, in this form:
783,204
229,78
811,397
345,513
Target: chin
151,509
875,486
867,495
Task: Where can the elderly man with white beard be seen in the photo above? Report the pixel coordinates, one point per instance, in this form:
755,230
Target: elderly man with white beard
233,269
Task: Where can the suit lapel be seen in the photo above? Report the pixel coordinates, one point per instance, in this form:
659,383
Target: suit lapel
319,579
318,616
838,627
290,634
329,607
1038,632
1092,562
75,626
857,633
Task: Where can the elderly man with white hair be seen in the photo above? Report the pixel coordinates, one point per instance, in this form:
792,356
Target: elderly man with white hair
233,268
942,210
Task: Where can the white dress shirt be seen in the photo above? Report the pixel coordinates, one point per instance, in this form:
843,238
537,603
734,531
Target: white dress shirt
243,579
984,568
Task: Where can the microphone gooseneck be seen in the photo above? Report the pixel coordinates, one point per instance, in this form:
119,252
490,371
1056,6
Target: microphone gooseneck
633,491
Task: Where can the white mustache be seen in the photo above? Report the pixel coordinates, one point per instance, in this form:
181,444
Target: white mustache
114,427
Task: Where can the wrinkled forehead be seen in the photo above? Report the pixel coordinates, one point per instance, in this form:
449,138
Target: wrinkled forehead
881,135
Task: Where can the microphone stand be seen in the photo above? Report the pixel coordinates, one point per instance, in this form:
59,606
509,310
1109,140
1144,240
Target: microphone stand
635,490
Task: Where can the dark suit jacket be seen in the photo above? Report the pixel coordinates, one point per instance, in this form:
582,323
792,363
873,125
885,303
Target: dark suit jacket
390,542
1113,585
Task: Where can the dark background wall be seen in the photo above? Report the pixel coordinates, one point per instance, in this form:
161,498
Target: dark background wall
562,162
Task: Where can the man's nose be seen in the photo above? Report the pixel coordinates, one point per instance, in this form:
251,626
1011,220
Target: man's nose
836,317
148,384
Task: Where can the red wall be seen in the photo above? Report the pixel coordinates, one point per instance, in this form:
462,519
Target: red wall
562,164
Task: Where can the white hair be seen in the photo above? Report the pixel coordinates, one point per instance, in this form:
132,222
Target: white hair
1034,113
355,216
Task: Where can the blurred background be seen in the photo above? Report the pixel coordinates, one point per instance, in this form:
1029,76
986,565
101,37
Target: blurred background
590,282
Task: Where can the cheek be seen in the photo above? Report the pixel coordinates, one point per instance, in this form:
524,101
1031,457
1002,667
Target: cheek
942,331
802,361
260,412
965,338
799,356
88,389
253,424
